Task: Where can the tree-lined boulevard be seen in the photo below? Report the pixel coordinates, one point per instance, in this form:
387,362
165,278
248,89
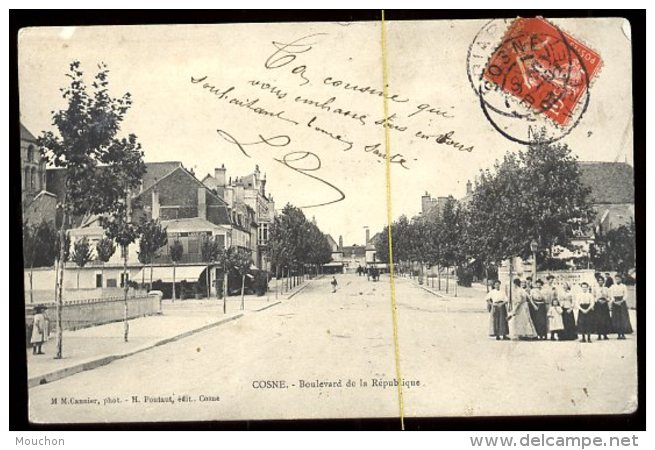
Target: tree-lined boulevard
325,337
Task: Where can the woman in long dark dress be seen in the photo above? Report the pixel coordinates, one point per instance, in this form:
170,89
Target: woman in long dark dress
539,310
602,309
585,306
569,333
498,302
620,316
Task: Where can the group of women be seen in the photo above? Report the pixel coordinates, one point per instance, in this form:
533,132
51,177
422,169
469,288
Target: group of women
539,310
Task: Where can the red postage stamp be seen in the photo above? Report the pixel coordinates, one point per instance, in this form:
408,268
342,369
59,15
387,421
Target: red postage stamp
543,67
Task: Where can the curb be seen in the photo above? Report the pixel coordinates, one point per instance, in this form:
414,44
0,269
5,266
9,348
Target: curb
268,306
104,360
300,289
430,291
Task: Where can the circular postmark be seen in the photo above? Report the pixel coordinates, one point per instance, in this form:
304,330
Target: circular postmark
530,78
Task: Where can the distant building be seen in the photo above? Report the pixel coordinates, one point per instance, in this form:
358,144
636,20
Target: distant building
37,203
250,204
432,206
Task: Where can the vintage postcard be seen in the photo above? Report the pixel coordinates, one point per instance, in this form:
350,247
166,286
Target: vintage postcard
378,219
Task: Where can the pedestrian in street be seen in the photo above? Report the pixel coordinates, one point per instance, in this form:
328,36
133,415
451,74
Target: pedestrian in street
620,315
538,310
569,333
602,309
520,322
585,307
39,330
498,302
368,273
334,284
555,322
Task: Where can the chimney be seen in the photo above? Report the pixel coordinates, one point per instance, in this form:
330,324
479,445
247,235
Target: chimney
340,242
219,175
202,203
368,236
469,187
425,203
155,204
262,184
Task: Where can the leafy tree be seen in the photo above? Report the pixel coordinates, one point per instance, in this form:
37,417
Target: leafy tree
99,168
39,247
210,249
615,250
176,251
105,249
152,237
82,254
242,260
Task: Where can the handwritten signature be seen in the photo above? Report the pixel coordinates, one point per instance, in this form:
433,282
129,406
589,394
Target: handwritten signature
295,160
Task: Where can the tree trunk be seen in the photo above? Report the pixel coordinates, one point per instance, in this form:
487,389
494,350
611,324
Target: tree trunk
150,276
102,275
439,276
447,277
173,300
277,281
31,291
486,276
60,281
208,284
224,291
126,327
243,284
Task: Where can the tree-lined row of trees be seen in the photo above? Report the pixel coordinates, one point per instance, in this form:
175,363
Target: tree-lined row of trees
296,245
534,195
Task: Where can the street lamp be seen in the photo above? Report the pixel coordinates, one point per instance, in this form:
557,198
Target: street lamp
534,246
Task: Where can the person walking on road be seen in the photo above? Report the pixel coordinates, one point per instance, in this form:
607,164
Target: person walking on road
334,284
39,330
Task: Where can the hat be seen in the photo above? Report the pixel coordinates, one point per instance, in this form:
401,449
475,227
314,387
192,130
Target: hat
550,277
40,308
539,281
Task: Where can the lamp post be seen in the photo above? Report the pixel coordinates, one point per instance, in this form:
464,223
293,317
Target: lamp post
534,246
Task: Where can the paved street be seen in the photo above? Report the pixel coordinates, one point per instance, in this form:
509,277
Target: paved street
346,336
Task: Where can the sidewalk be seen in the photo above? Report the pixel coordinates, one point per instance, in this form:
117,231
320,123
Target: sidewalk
92,347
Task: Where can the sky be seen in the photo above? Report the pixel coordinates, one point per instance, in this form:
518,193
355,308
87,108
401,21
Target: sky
200,90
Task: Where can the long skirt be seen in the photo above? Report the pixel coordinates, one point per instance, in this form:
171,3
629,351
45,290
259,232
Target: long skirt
621,318
521,325
602,313
540,318
586,321
569,332
500,320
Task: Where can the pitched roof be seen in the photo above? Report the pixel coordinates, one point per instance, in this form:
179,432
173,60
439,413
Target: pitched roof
25,135
610,182
155,171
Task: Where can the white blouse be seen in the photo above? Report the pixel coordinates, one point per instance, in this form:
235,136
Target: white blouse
618,290
496,296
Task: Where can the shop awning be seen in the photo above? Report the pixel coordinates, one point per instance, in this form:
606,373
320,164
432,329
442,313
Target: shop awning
165,274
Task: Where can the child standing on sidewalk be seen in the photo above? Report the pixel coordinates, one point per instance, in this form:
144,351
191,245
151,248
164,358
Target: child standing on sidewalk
555,322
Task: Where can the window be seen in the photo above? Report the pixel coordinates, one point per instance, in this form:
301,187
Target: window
33,179
98,280
30,153
125,277
111,282
263,234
